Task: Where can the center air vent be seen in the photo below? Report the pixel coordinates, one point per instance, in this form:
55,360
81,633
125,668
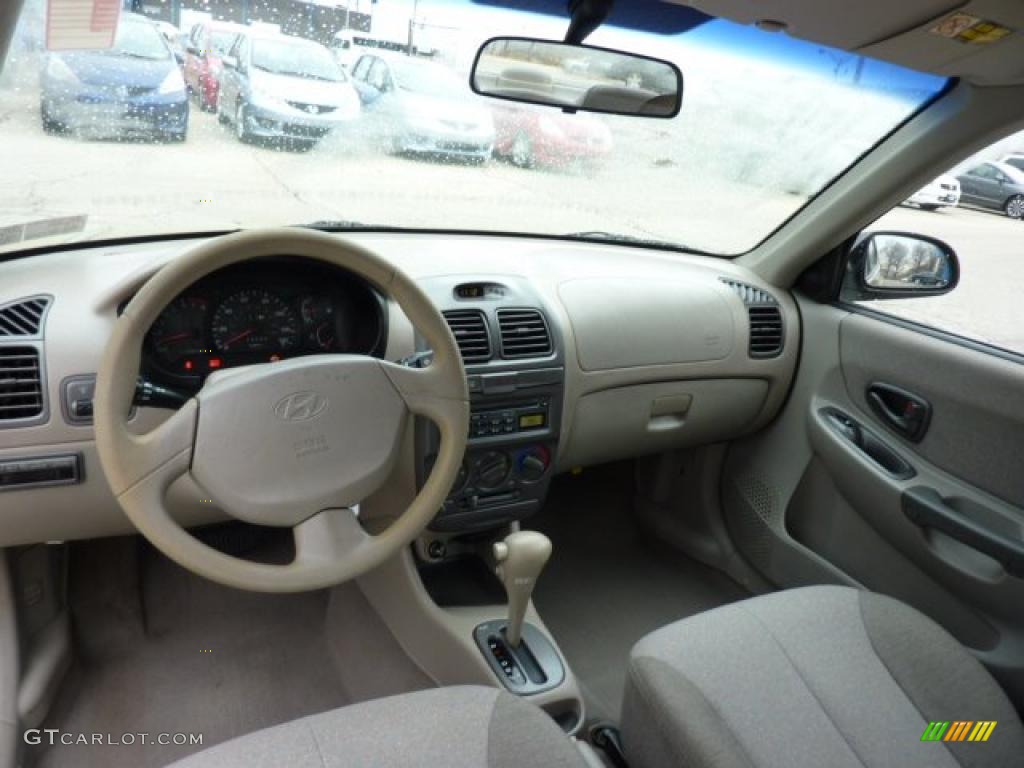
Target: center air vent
524,333
470,330
21,388
23,317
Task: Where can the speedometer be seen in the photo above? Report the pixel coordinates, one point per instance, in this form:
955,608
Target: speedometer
255,320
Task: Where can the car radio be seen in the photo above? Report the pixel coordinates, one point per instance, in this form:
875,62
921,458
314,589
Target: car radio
508,462
509,421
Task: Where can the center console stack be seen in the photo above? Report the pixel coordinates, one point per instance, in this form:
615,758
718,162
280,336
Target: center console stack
515,373
459,599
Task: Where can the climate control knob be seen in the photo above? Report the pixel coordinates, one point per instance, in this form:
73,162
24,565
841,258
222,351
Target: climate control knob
492,470
532,463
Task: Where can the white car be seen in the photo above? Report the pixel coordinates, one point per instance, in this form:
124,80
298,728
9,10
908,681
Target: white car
943,192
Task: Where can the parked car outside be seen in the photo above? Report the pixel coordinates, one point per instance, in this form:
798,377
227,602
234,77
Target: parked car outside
534,136
174,38
208,43
943,192
284,88
997,186
131,89
418,106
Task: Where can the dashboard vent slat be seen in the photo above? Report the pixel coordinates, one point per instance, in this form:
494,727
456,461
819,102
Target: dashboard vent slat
524,333
766,334
766,331
469,327
24,317
748,294
21,391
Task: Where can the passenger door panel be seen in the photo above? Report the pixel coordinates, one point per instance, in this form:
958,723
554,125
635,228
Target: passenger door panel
855,501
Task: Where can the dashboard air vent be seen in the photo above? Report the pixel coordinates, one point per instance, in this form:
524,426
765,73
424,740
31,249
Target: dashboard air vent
23,317
470,330
765,331
21,388
524,333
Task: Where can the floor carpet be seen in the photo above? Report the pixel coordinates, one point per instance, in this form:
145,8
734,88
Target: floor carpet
606,586
183,655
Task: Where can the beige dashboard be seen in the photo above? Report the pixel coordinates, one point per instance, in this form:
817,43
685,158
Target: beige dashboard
657,353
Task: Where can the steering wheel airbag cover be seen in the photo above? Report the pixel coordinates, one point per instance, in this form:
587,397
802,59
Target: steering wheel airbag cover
316,433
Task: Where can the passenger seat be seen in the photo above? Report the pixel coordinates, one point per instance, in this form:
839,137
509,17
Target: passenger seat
808,678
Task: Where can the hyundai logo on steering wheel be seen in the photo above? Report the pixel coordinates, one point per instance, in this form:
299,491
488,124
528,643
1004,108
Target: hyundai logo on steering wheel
300,406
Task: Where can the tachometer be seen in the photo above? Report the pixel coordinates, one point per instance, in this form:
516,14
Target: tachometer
180,329
255,320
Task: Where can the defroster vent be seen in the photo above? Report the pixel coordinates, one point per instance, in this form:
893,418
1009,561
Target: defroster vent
23,317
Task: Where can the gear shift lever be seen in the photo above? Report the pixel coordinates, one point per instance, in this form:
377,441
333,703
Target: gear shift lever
521,557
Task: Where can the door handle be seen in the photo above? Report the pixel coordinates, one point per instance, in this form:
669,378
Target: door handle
903,412
865,441
926,508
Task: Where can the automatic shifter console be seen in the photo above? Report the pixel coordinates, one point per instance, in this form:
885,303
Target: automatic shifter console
520,654
520,557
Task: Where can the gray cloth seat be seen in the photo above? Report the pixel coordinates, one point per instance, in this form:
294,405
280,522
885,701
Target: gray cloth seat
812,677
458,727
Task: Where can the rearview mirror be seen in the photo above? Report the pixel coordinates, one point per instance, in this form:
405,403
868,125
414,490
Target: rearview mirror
893,265
577,77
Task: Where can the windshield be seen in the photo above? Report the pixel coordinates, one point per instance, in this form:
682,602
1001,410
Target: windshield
140,40
284,57
766,123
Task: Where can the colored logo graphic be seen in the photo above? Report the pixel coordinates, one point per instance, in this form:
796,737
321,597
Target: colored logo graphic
959,730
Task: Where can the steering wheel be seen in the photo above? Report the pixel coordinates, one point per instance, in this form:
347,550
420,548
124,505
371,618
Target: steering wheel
294,444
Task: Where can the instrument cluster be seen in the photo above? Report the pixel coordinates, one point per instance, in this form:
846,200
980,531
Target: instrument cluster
262,312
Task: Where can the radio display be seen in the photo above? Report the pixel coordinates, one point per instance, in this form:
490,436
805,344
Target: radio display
531,420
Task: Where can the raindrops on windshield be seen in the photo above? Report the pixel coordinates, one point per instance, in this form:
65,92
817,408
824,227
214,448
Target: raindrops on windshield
200,116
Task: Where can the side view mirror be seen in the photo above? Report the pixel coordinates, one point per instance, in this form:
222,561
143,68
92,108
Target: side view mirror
577,77
899,265
193,49
229,62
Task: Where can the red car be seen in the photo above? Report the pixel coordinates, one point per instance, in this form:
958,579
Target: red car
532,136
208,43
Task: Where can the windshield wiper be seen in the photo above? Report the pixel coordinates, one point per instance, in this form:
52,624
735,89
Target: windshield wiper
341,225
616,237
